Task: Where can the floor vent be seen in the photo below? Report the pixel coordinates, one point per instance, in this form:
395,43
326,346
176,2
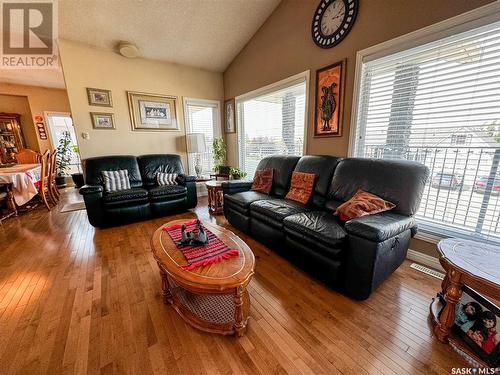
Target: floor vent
428,271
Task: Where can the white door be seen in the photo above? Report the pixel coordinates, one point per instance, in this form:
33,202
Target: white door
60,123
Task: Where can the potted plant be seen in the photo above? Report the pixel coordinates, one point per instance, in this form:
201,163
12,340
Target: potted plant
77,177
63,159
236,174
219,155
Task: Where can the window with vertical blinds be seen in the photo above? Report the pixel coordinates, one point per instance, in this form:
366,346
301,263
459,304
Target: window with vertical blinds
271,122
439,104
202,116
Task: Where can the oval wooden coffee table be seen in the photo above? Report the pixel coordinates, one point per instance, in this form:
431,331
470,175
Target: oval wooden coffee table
214,297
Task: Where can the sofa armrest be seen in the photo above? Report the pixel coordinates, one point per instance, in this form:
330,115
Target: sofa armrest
377,245
379,227
91,189
190,183
235,186
92,196
182,179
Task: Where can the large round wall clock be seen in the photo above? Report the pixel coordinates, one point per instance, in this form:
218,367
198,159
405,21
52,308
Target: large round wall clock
332,21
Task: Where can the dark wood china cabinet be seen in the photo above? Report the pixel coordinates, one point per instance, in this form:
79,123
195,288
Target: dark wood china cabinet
11,137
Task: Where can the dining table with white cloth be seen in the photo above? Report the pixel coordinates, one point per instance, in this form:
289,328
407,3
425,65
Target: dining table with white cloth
24,179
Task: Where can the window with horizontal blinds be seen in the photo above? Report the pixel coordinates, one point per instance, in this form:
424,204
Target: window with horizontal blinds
271,122
202,116
439,104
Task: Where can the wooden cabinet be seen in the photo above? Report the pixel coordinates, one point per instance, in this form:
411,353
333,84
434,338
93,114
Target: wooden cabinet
11,137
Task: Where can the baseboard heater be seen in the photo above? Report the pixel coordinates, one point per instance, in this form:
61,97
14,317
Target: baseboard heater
428,271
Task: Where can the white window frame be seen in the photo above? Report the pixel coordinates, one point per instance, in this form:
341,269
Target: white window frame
284,83
462,23
216,104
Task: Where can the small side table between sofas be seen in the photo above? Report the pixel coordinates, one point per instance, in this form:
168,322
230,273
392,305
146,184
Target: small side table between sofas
215,197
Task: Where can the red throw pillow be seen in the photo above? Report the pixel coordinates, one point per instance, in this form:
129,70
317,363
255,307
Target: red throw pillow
362,204
302,187
263,181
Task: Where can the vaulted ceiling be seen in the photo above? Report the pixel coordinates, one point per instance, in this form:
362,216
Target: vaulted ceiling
206,34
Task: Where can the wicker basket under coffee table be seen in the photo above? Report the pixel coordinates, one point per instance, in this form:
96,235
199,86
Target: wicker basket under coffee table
212,298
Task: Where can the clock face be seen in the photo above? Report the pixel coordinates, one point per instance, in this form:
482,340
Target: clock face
332,21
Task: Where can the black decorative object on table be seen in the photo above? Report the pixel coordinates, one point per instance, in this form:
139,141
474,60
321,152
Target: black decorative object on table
197,237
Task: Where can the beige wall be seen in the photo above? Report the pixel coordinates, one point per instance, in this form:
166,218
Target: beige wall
39,100
283,47
87,67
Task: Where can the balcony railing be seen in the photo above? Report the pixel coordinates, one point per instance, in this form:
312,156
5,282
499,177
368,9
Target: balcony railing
462,195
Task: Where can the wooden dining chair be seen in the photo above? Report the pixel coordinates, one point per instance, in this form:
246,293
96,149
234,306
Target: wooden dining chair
53,191
7,199
27,156
43,190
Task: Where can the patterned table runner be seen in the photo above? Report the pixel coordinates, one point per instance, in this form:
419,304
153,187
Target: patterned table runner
197,256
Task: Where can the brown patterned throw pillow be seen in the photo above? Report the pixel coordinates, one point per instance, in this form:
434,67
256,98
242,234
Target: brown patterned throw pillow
302,187
362,204
263,181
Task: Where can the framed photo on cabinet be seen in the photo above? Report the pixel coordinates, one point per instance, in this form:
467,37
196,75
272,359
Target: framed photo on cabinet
329,100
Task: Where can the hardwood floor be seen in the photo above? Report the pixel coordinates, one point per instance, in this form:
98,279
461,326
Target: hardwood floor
74,299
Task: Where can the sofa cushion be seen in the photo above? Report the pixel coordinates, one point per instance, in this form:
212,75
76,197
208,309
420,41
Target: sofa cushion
263,181
398,181
244,199
166,178
152,164
283,166
126,197
94,166
323,167
320,226
332,205
116,180
276,209
380,227
361,204
301,187
167,192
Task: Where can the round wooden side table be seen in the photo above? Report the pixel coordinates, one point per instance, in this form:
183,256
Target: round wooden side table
215,197
470,263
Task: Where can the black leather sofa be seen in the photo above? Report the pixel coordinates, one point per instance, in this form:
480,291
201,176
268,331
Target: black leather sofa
354,257
145,198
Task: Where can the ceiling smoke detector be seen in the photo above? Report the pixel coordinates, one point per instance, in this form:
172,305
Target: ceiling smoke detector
127,49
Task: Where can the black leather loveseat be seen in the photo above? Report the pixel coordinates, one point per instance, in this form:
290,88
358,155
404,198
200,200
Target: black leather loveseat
145,198
354,257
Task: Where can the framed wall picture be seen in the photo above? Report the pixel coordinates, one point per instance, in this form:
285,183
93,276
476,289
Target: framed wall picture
329,102
477,322
152,112
229,116
99,97
101,120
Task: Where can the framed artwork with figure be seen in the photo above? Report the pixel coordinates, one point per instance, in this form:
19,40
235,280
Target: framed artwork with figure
229,116
329,102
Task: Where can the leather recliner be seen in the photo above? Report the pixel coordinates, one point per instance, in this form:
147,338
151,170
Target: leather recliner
354,257
145,198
